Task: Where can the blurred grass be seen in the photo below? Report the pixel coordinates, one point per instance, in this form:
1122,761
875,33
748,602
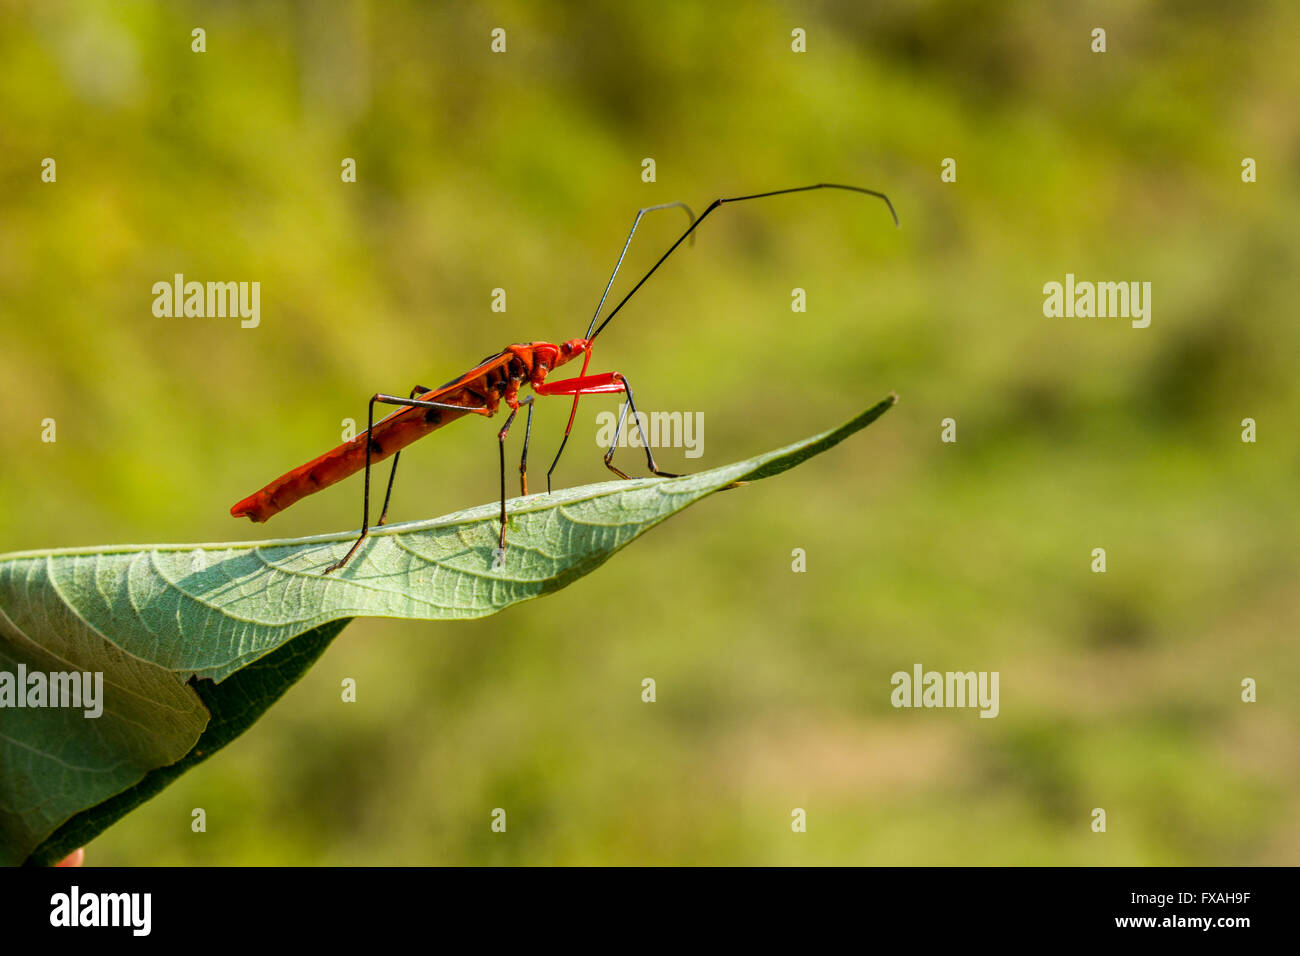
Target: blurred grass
523,171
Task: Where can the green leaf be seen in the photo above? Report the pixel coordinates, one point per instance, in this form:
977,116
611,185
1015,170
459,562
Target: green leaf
235,705
196,641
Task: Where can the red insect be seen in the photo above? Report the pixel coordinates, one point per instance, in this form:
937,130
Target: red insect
480,391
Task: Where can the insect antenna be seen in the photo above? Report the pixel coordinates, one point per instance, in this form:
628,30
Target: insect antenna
704,215
586,359
627,242
688,234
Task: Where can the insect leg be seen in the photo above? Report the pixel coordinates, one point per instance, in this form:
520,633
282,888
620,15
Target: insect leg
563,441
649,455
523,459
604,384
383,512
370,442
501,447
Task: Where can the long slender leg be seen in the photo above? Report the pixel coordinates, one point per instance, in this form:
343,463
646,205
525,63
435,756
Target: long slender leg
649,455
574,388
501,449
604,384
523,458
563,441
383,512
501,446
370,425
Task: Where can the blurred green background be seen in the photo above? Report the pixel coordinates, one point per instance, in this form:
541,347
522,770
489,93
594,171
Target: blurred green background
522,170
